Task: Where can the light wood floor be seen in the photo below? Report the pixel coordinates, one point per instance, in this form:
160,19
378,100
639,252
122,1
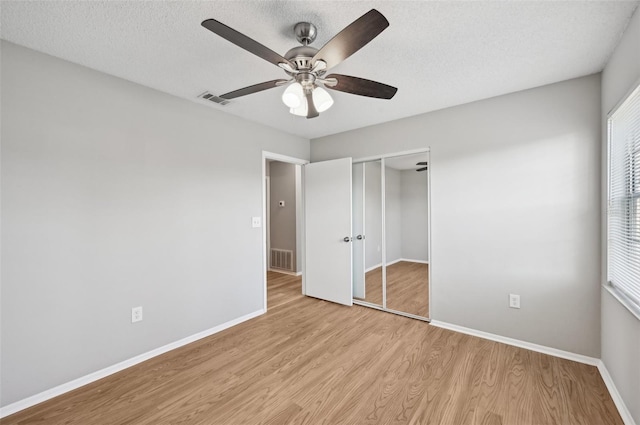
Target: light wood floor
282,289
407,287
312,362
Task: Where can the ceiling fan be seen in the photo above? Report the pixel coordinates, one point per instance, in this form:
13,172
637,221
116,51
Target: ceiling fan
425,168
307,65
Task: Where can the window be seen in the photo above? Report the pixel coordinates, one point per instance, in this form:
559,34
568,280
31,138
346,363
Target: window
623,216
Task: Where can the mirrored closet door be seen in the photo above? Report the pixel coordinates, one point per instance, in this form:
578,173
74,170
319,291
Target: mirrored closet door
407,234
367,230
391,227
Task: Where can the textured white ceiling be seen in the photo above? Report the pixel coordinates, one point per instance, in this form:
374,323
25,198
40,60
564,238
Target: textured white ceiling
438,54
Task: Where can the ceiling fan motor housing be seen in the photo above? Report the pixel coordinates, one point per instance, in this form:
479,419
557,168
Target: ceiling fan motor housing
301,56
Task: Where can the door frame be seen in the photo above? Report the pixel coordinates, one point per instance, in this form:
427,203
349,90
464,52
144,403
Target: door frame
266,155
267,217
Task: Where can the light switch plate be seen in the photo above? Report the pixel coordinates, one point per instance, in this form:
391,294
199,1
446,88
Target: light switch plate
514,301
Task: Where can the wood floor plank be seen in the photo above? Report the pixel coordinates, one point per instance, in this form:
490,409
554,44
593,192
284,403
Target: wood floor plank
440,381
313,362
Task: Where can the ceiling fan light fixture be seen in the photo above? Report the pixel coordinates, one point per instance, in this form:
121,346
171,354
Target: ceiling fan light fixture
293,96
322,99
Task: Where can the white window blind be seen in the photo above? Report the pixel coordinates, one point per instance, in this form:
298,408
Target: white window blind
624,199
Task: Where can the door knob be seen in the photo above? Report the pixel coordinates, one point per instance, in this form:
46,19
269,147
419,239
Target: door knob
359,237
347,239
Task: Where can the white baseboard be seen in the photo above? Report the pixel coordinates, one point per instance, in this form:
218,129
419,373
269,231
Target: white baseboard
415,261
396,261
518,343
285,272
408,260
373,268
87,379
615,395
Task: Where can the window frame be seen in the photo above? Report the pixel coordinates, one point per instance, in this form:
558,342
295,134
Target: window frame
630,304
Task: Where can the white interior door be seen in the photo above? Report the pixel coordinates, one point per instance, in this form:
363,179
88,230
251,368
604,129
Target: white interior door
328,274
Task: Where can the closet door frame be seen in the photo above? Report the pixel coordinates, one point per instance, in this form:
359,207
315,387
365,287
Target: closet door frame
382,159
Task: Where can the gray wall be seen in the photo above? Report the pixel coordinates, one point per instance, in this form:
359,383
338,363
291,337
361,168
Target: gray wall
415,215
406,215
515,208
283,219
373,214
620,329
393,214
115,196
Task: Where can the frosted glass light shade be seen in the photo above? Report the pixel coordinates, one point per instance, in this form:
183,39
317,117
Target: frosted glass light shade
301,110
293,95
322,99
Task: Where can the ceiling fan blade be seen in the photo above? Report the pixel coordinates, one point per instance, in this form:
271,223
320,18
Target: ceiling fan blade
245,42
361,87
351,39
422,169
421,163
253,89
312,112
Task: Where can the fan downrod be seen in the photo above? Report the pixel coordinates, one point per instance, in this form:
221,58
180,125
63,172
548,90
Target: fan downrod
305,32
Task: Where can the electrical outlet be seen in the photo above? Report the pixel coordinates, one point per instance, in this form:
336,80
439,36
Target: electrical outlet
256,222
136,314
514,301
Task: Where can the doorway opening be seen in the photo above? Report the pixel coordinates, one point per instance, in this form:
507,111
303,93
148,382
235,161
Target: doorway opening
283,229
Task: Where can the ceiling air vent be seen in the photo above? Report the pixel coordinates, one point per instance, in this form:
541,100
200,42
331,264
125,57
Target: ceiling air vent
213,98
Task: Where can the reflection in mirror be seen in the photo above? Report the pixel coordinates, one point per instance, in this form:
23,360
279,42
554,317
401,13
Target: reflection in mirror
406,233
357,212
367,223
